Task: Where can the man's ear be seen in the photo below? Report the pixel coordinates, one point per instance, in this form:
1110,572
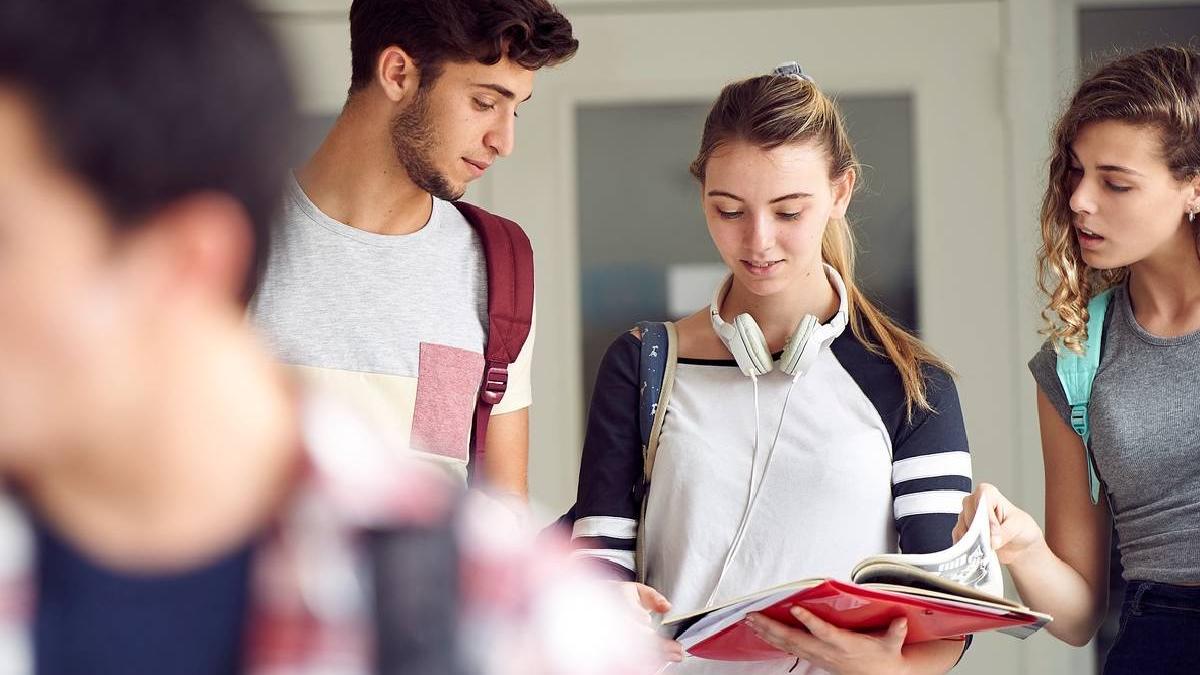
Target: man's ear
201,244
397,74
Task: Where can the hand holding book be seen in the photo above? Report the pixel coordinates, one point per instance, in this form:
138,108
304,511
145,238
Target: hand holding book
950,593
1012,531
831,648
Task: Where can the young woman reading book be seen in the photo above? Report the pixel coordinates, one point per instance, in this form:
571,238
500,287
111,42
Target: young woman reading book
801,415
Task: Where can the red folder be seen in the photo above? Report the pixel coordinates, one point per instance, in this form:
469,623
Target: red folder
863,609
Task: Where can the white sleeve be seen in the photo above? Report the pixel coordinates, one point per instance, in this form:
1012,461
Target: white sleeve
520,376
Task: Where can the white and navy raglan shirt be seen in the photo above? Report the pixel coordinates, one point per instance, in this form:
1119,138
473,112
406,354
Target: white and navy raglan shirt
851,476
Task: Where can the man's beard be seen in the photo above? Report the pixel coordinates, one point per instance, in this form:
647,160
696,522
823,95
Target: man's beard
414,142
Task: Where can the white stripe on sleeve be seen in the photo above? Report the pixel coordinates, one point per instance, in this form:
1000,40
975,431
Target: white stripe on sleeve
622,558
955,463
605,526
936,501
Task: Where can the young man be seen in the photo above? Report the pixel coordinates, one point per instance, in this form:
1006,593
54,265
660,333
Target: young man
171,504
376,285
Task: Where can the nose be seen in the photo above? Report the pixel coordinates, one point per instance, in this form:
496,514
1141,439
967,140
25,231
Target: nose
502,137
760,237
1081,201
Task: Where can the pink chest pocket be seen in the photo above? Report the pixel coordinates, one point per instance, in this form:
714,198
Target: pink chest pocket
447,387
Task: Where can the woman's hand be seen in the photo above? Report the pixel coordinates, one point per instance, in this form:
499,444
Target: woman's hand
644,601
832,648
1013,532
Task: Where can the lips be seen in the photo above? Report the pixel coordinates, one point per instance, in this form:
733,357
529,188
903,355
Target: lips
481,166
760,267
1087,237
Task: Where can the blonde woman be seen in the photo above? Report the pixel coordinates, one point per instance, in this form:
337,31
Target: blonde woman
1120,214
806,430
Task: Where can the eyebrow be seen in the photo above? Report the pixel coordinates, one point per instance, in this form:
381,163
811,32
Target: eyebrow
502,90
1115,168
784,198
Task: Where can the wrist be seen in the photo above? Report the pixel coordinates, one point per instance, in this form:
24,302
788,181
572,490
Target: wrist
1030,556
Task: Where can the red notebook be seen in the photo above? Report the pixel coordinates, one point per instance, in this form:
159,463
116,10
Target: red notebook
859,607
944,594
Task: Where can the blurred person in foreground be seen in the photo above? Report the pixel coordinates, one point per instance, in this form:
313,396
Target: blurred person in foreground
171,503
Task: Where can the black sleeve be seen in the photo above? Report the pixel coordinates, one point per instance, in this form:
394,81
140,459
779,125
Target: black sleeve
607,509
931,468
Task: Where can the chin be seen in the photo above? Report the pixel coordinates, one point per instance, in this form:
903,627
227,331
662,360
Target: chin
1102,262
760,286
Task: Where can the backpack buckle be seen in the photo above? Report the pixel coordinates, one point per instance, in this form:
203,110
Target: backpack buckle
495,383
1079,419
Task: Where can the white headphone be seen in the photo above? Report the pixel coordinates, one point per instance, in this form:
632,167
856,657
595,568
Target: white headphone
746,342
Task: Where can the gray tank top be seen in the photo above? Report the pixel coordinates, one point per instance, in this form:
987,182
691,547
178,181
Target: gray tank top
1145,440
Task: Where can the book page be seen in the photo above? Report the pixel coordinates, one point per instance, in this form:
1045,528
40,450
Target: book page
970,562
733,606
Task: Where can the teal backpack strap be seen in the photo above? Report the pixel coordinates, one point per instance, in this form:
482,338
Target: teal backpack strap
657,376
1076,372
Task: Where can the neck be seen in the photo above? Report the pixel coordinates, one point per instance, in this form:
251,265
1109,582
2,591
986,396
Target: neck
355,178
194,468
779,314
1166,285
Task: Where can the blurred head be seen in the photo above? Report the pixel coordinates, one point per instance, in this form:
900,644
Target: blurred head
777,170
1124,174
452,74
143,155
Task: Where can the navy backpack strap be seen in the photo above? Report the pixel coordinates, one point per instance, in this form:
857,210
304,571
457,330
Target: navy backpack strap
657,377
655,362
652,367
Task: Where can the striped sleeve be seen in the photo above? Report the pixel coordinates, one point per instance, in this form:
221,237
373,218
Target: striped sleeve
607,508
931,469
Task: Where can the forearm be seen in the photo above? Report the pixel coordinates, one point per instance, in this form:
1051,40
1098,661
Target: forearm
938,656
1048,584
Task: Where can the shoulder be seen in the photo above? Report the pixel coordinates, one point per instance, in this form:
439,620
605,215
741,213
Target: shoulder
623,354
697,340
483,219
1044,362
881,382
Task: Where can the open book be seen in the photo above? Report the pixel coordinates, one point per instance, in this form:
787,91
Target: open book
950,593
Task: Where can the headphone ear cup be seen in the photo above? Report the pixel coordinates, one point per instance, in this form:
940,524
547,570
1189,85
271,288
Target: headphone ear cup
795,355
755,357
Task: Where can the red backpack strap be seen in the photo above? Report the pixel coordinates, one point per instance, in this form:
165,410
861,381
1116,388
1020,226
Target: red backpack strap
510,309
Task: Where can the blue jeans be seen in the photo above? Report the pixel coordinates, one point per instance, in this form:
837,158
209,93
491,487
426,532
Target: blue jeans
1160,630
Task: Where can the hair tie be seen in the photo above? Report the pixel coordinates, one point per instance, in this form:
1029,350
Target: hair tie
793,70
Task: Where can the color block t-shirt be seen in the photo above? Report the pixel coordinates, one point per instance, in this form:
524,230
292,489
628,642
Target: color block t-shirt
393,324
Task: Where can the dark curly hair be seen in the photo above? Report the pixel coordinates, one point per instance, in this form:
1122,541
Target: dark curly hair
530,32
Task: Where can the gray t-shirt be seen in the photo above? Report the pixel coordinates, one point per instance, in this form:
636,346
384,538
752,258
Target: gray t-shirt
1145,440
392,324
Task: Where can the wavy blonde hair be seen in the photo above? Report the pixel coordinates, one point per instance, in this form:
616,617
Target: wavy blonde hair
773,110
1158,88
